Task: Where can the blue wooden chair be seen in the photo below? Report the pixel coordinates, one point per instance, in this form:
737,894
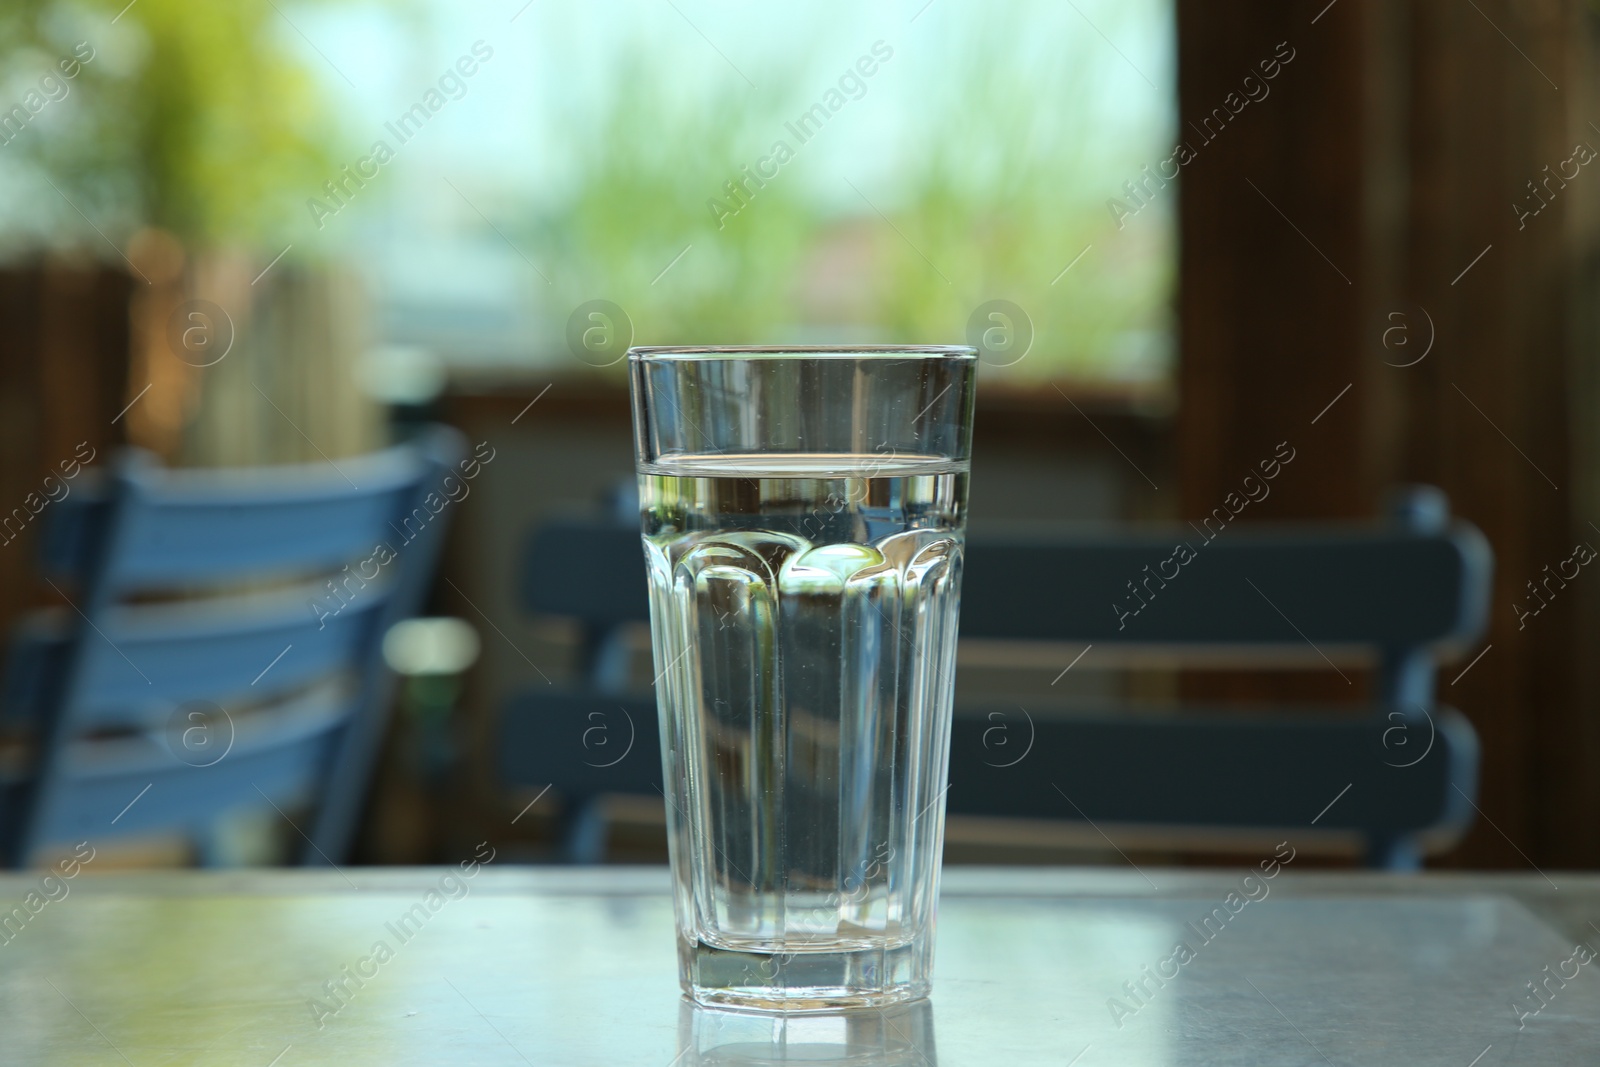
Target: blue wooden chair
1401,593
221,651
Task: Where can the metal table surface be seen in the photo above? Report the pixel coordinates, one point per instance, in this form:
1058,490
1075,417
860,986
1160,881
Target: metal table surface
576,967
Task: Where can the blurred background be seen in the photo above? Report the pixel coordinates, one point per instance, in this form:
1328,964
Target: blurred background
1182,234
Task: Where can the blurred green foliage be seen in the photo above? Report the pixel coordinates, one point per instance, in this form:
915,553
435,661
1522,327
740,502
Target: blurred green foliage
999,181
1011,189
642,167
191,116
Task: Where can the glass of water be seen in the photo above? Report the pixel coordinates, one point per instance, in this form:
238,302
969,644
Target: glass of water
803,513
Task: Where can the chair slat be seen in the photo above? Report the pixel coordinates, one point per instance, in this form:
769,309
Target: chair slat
1367,587
1272,768
590,571
284,770
144,661
187,526
587,742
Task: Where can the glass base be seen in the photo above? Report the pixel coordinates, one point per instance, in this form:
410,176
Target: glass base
803,981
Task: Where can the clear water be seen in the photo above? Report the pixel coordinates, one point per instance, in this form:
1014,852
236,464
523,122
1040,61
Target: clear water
804,617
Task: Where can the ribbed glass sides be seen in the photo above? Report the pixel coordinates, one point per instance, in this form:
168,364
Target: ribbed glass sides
803,613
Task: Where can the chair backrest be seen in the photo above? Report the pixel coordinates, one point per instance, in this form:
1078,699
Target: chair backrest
221,650
1398,595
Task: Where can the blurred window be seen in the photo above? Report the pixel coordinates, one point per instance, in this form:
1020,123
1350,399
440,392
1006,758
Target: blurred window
724,172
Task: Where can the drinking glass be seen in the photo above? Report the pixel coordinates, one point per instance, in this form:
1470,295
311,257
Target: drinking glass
803,515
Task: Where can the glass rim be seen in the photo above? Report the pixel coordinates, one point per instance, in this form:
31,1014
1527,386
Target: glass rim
672,353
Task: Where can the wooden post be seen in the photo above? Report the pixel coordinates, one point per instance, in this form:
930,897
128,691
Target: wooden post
1394,149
